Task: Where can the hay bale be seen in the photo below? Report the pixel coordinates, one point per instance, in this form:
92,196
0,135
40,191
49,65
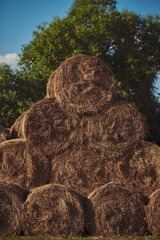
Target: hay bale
48,128
12,198
54,210
141,168
22,163
3,123
50,86
118,211
153,213
82,84
115,130
83,170
4,134
17,129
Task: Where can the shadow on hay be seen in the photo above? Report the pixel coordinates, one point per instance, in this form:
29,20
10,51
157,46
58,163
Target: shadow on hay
12,198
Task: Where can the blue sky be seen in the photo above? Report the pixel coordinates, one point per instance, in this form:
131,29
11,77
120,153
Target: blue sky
19,18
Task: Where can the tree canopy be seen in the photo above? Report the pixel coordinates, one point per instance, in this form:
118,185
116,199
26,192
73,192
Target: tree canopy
14,95
125,40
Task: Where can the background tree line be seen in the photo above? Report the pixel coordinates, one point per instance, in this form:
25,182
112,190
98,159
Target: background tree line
125,40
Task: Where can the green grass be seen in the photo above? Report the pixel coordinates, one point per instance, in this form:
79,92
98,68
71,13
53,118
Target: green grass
89,238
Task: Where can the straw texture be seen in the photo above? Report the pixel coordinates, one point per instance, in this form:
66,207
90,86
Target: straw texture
82,84
54,210
12,198
22,163
118,211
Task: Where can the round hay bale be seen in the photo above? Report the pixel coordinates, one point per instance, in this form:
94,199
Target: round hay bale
153,213
17,129
115,130
12,198
141,169
54,210
47,127
83,170
23,164
82,84
118,211
50,86
4,134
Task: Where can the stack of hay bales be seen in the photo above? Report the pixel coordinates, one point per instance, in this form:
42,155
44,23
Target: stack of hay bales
81,154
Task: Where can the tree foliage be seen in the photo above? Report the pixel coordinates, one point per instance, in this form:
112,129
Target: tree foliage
14,95
125,40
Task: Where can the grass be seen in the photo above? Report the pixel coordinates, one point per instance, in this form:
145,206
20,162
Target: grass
68,238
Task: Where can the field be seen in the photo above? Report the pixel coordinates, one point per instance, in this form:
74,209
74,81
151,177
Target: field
68,238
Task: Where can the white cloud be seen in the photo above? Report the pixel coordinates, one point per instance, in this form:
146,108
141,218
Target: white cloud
10,59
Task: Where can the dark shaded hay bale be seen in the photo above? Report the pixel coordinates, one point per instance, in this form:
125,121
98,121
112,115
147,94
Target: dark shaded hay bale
115,130
82,83
118,211
4,134
83,170
23,164
153,213
17,129
141,168
54,210
12,198
3,123
47,127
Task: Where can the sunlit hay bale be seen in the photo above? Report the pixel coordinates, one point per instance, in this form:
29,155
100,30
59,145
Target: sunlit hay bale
23,164
153,213
50,86
49,128
141,170
54,210
82,84
114,130
17,129
118,211
83,170
4,134
12,198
